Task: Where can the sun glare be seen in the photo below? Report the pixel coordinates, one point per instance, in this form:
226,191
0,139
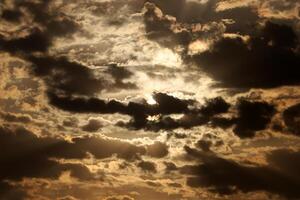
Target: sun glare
150,100
166,57
198,46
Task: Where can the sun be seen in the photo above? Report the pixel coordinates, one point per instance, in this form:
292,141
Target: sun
166,57
150,100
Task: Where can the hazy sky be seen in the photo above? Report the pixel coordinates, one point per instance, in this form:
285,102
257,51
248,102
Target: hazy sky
149,99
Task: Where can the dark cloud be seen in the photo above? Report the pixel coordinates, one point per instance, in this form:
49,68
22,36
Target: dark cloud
175,25
9,117
170,166
192,117
244,19
226,176
85,105
159,27
120,74
267,60
256,55
70,122
33,156
258,61
93,125
8,191
204,145
291,117
77,148
190,11
52,24
169,123
252,116
223,122
203,12
108,148
215,106
277,5
36,41
62,75
147,166
175,10
158,150
139,111
168,104
55,23
62,27
11,15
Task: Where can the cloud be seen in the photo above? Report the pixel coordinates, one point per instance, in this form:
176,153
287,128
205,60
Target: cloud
168,104
55,23
147,166
223,122
36,41
119,74
291,118
11,15
258,62
77,148
276,5
35,155
187,21
108,148
170,167
227,177
9,117
215,106
157,149
192,115
119,197
62,75
71,122
68,198
204,145
93,125
51,24
113,7
169,123
86,105
161,28
8,191
240,51
252,116
32,157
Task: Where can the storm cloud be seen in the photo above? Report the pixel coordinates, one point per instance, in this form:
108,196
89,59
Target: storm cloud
153,99
225,176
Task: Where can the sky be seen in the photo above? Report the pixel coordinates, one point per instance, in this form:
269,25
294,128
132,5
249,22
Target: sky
149,99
